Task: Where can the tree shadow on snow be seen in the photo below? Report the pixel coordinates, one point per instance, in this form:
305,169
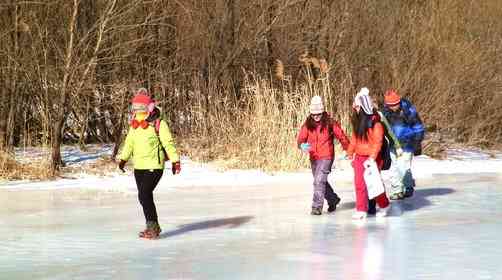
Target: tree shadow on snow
418,200
217,223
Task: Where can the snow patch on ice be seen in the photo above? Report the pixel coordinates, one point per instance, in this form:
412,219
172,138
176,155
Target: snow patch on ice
467,162
196,174
71,155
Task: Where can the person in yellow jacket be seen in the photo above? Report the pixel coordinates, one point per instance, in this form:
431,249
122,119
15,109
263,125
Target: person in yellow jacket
149,143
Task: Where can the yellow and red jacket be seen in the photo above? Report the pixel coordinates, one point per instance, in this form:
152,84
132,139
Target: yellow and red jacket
145,147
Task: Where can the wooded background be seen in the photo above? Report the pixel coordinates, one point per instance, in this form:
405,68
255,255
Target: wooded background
68,69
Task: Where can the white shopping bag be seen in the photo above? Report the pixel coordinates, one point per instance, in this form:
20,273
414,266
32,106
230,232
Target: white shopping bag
373,180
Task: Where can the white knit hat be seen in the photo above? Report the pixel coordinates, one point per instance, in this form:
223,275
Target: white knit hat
316,106
363,100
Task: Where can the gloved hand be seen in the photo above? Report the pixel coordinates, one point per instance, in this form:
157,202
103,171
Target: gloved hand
176,168
343,156
305,147
399,152
417,149
369,163
122,165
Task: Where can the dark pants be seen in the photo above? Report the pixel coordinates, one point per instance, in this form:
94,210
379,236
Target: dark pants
372,207
146,181
322,189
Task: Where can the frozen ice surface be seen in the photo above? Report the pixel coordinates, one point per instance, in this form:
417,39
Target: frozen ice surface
450,229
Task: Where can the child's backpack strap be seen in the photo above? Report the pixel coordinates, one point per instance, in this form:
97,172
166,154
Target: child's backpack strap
157,126
388,130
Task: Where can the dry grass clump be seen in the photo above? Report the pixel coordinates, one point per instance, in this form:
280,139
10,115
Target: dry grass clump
260,131
10,169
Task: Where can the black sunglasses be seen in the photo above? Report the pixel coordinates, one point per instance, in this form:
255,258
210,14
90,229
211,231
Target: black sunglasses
316,115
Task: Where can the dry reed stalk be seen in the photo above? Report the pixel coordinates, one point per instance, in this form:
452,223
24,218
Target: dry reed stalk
10,169
304,58
315,63
279,70
263,134
324,66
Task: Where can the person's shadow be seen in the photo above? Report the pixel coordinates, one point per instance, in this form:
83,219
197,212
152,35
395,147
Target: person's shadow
417,201
217,223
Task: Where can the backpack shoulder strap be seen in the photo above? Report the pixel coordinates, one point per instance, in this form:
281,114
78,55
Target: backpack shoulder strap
388,130
157,126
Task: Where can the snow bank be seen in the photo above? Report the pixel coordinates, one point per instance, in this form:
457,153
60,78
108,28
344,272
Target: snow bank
205,175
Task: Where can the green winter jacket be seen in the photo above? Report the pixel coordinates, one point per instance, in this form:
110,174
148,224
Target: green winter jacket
144,147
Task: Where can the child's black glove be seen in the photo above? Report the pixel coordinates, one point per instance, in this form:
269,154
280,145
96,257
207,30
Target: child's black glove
122,165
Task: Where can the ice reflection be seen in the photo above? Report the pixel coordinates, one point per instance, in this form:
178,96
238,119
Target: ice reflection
367,252
446,231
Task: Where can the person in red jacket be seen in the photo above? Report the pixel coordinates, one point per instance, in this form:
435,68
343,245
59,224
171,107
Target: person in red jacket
316,138
364,148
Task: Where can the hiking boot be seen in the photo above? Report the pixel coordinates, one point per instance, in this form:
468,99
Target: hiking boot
396,196
332,204
408,193
316,211
152,231
149,234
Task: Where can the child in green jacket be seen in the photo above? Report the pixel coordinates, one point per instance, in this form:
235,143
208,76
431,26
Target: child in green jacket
149,142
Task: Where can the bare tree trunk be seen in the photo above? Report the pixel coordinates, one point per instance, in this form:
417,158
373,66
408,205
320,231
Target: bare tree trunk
234,10
117,135
17,119
9,130
84,124
3,122
11,116
171,36
271,42
100,107
59,120
67,81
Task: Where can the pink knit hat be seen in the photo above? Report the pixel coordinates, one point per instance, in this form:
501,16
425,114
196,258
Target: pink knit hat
142,97
142,101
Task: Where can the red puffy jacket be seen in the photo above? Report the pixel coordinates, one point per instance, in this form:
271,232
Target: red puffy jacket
370,147
321,140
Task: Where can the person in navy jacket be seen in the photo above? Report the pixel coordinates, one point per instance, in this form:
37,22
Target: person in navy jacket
409,130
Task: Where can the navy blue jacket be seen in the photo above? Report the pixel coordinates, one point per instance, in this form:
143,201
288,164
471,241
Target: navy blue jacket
406,125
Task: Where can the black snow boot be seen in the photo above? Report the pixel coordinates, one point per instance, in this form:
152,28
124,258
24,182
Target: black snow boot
408,192
316,211
332,204
372,207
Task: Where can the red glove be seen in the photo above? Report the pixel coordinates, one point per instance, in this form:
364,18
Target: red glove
122,165
176,168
